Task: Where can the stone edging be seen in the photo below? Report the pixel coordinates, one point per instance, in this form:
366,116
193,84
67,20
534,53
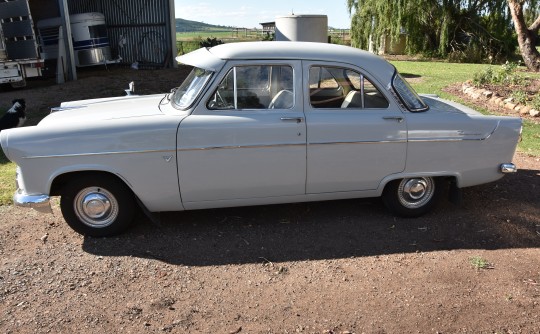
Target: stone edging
498,101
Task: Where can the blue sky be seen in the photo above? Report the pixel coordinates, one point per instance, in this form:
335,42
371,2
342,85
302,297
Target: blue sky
248,14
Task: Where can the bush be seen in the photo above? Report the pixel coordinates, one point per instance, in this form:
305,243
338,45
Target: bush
210,42
520,96
535,103
505,75
483,77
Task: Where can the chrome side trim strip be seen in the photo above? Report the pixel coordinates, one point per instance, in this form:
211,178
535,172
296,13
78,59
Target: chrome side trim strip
237,147
286,145
55,109
452,139
360,142
96,154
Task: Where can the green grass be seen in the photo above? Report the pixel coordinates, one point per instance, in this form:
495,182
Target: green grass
530,143
189,41
7,179
432,77
225,35
480,263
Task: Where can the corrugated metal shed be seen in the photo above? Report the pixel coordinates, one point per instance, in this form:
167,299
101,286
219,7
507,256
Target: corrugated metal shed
139,31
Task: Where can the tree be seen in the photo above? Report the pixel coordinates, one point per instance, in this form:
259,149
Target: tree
527,36
475,29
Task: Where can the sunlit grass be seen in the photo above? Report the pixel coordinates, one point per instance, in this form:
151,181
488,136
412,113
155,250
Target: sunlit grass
7,179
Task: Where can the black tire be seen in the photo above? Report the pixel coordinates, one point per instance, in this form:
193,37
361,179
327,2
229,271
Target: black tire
97,205
413,197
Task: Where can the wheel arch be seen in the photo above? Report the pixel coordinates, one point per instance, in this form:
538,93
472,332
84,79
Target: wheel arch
60,180
449,177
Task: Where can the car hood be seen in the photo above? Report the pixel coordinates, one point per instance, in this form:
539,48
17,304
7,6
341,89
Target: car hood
104,109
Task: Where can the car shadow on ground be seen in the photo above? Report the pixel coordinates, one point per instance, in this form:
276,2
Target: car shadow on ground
500,215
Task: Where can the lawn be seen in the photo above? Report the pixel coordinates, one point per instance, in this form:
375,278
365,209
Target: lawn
432,77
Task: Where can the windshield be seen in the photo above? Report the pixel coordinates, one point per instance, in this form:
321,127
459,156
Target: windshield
407,95
188,91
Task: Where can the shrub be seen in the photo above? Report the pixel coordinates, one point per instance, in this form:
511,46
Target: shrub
483,77
535,103
210,42
520,96
505,74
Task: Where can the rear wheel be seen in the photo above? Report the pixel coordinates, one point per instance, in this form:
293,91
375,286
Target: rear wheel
97,206
412,197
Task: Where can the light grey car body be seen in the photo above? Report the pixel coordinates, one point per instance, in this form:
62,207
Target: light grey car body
195,157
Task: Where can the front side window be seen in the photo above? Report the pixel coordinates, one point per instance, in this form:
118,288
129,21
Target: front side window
185,95
338,87
407,94
255,87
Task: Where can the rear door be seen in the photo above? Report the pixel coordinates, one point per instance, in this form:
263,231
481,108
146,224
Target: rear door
357,134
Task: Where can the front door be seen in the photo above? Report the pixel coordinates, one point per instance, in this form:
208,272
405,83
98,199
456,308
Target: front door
247,138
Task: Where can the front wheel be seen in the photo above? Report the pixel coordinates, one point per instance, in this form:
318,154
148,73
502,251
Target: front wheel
97,206
412,197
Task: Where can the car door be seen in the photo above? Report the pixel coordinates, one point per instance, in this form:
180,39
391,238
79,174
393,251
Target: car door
246,139
355,138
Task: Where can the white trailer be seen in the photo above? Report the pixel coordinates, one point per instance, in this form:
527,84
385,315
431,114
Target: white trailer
89,35
19,54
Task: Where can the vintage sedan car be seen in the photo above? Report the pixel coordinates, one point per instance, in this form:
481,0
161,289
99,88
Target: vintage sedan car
255,124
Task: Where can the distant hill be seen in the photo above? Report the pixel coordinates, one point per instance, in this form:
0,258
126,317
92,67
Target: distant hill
188,26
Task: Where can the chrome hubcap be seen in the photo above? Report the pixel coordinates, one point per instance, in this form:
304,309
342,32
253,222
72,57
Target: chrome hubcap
96,207
414,193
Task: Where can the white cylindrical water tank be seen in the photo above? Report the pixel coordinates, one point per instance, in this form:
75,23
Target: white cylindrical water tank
304,28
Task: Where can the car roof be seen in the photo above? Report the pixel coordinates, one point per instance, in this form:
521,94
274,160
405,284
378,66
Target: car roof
215,57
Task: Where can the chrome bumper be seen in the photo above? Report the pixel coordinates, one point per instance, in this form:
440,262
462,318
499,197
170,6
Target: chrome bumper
39,203
508,168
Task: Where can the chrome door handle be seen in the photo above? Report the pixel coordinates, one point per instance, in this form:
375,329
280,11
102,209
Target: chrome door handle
292,119
394,118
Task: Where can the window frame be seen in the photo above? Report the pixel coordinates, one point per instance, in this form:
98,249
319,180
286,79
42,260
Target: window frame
345,68
233,66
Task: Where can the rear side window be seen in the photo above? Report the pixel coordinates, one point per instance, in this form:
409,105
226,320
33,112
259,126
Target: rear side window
407,94
255,87
338,87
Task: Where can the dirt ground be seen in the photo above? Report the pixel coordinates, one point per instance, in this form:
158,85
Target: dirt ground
329,267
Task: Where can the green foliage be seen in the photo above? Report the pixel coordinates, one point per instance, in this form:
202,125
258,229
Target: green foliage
505,74
469,30
483,77
535,102
520,96
480,263
210,42
7,179
269,37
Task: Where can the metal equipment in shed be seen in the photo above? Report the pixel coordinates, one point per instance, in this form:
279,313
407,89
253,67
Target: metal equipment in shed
89,34
19,56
